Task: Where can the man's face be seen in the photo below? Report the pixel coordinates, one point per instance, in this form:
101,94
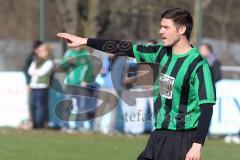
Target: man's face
169,33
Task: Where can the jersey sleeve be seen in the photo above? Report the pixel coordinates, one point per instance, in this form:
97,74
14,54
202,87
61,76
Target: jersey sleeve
121,48
146,53
204,85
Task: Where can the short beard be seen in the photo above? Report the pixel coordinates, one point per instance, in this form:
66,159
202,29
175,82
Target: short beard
176,41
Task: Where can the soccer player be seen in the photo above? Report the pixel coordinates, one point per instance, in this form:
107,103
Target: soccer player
185,95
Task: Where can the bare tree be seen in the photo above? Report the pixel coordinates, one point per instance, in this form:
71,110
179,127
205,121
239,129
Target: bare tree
68,15
197,23
219,20
90,24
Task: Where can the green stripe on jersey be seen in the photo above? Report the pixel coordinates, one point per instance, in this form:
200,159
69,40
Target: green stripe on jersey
183,83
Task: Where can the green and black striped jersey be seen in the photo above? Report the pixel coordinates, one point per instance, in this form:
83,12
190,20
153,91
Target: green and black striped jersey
183,82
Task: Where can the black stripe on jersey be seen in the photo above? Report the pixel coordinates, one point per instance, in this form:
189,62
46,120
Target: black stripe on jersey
141,59
157,105
158,102
148,49
182,111
168,102
164,68
202,92
213,82
163,51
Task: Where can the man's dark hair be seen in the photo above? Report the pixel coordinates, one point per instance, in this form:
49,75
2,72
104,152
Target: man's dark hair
180,17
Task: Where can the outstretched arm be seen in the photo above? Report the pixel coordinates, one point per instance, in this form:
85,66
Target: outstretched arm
73,41
109,46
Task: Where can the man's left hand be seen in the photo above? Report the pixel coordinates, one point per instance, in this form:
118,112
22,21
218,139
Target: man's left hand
195,152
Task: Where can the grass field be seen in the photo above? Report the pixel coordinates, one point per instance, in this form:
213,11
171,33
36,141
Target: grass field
54,145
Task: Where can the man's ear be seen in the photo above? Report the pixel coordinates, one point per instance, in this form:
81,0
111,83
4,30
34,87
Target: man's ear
182,29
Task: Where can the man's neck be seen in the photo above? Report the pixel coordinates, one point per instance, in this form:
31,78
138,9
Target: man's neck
181,47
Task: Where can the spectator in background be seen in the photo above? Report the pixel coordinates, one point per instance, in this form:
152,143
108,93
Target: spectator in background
40,70
132,115
29,60
26,66
139,111
112,75
206,51
79,72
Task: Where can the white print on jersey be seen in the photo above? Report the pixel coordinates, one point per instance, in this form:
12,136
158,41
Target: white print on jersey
166,85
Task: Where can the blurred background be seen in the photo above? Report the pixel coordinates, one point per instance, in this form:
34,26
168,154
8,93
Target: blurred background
216,21
23,22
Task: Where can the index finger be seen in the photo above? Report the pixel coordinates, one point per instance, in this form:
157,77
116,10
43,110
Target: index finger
64,35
